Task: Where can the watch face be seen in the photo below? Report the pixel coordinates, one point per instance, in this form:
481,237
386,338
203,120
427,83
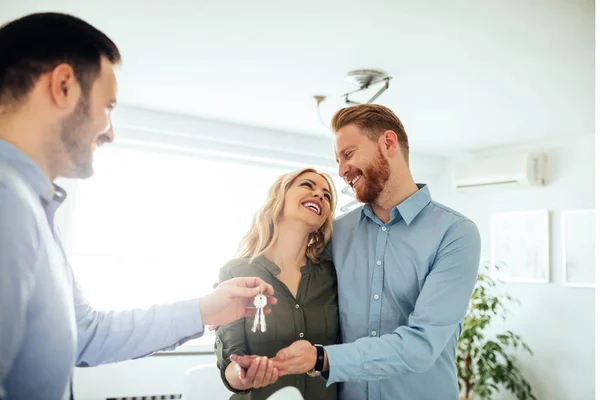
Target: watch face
313,374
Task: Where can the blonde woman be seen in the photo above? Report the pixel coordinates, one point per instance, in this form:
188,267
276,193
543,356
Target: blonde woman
285,247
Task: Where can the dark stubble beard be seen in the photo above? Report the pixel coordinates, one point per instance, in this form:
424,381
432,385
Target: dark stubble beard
77,138
375,176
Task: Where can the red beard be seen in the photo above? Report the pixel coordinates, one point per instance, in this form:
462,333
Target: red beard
374,178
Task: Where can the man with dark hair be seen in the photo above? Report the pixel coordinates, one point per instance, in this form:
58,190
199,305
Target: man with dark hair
57,90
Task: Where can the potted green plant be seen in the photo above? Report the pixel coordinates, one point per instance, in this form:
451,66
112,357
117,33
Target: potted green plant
487,363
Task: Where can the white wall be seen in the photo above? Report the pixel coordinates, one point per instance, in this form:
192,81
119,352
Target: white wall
216,138
555,320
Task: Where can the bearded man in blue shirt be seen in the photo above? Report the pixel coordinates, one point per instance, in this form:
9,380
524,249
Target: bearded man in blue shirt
406,268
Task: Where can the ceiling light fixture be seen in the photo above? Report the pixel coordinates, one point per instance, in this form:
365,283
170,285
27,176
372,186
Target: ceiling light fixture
362,78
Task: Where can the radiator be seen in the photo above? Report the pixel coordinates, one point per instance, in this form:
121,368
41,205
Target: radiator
154,397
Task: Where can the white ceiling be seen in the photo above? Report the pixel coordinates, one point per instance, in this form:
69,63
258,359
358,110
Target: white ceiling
467,75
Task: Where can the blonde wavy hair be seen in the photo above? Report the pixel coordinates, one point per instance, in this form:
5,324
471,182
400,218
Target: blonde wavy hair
265,228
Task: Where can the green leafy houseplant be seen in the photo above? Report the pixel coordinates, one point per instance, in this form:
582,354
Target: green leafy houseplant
486,364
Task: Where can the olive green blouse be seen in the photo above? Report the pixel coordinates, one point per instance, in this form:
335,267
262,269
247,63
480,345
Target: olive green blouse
312,316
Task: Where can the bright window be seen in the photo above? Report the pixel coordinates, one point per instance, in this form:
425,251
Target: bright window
154,227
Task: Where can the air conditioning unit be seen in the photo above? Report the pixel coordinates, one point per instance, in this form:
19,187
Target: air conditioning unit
527,169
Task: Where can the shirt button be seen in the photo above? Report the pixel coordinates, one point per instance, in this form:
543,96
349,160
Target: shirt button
373,333
301,334
297,306
378,262
376,297
383,228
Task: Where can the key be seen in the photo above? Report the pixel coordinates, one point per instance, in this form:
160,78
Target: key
260,301
263,322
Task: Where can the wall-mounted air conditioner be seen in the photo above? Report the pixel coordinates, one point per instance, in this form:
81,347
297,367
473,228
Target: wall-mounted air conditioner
516,169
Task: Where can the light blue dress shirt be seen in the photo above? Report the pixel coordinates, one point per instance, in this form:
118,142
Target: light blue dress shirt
404,288
46,325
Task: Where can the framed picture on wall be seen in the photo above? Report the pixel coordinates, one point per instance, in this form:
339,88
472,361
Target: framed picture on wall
578,240
520,246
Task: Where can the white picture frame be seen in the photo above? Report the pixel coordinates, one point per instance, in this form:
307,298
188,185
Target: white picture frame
520,246
578,256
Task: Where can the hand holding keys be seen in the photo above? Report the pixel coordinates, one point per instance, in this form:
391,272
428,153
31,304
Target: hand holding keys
231,299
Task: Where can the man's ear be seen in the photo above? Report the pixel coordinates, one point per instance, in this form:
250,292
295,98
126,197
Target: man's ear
64,87
389,141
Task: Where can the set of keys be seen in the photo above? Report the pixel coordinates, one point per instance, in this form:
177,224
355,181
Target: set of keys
260,302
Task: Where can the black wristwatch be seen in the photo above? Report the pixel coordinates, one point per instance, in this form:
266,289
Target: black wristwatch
316,371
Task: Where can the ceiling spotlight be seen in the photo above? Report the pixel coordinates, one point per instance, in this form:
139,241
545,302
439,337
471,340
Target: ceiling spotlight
363,78
320,99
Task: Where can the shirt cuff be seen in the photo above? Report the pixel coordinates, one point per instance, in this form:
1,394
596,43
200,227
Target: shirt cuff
343,363
190,318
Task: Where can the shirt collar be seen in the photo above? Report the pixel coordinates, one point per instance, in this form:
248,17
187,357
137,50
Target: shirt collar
407,210
31,173
274,270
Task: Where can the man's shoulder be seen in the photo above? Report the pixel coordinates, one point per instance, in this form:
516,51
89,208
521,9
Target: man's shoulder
15,204
13,189
450,214
19,231
448,219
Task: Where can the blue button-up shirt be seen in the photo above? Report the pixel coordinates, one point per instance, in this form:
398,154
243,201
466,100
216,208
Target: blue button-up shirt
46,325
404,288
